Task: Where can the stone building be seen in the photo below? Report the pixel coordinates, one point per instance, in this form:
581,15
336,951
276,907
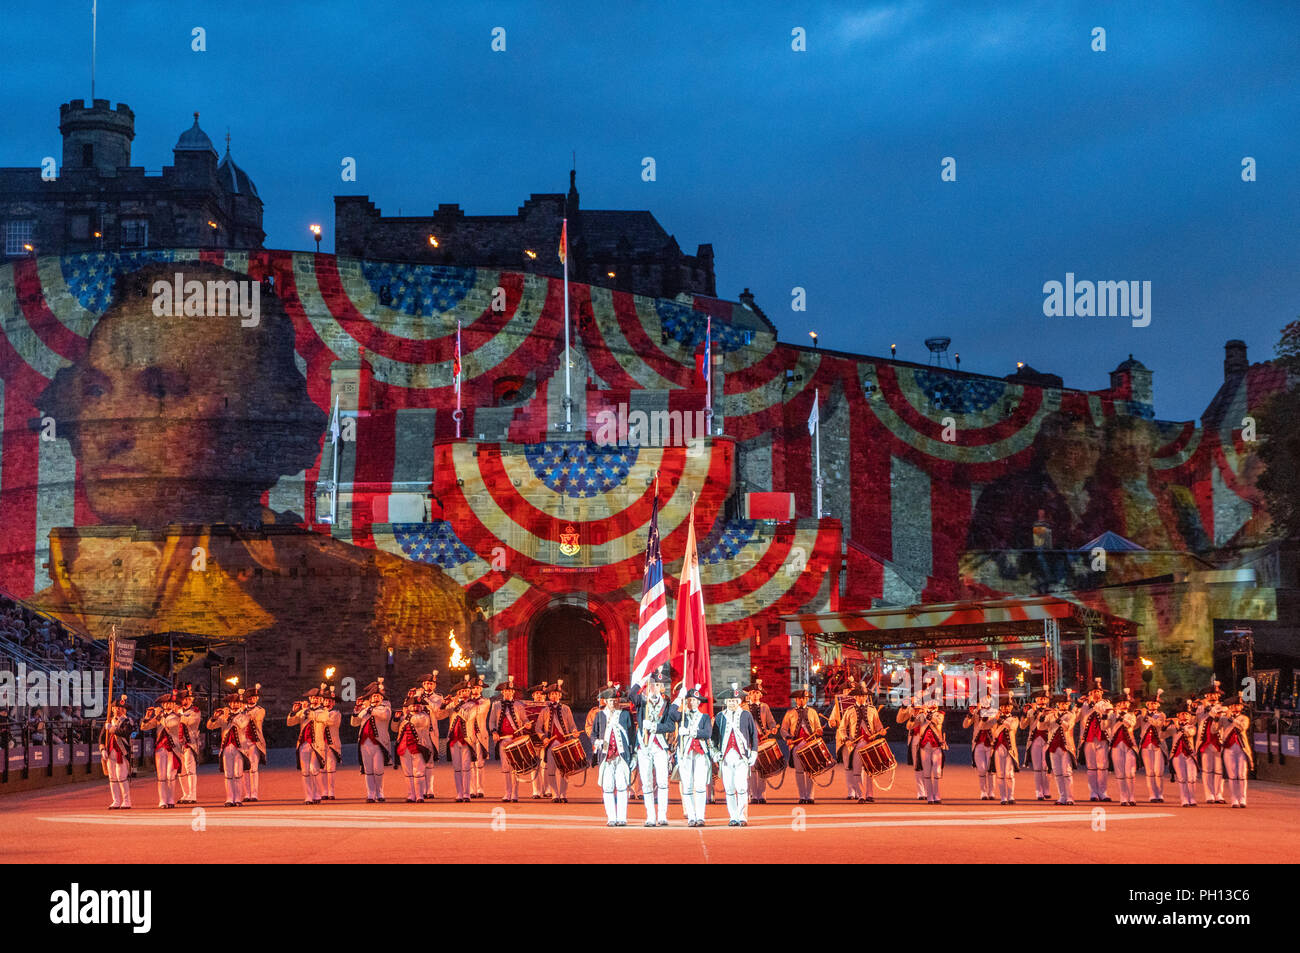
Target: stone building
96,200
623,250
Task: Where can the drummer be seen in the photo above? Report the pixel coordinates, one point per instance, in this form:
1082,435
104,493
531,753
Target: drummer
767,727
540,789
801,724
555,724
507,719
859,726
913,716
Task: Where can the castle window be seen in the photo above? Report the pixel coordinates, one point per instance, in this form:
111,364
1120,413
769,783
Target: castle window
87,155
79,226
18,232
135,233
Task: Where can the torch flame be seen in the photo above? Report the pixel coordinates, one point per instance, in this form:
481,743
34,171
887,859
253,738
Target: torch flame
458,659
329,672
1147,663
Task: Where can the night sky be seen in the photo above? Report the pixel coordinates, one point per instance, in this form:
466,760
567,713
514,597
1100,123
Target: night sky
818,169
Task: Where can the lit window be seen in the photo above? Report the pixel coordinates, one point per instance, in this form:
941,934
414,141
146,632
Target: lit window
18,232
135,233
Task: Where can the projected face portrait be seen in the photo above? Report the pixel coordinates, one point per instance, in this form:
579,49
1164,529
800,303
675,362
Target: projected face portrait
1130,442
184,419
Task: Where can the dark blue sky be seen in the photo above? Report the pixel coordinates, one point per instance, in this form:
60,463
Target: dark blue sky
817,169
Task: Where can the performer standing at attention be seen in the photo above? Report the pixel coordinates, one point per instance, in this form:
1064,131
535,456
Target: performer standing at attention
481,744
1036,744
540,787
736,738
694,766
310,747
1059,724
256,748
1121,733
1153,747
931,746
414,746
461,730
436,706
1209,747
507,720
555,724
115,754
652,729
232,722
164,721
611,743
1093,713
191,723
333,721
1006,759
800,724
860,725
1238,760
981,747
374,746
767,727
1182,754
913,716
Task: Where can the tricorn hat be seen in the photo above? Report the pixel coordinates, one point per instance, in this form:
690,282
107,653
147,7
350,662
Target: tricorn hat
733,692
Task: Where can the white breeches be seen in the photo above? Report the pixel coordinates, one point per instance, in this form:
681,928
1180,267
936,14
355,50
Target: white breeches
652,766
735,780
931,770
310,773
189,776
413,765
462,758
1153,764
1236,768
555,779
615,776
1063,770
1094,755
1185,772
232,767
1038,759
983,764
252,775
1004,767
1124,760
119,780
694,772
1211,760
372,766
165,767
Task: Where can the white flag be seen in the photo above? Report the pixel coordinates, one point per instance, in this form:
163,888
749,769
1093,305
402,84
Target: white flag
335,432
813,419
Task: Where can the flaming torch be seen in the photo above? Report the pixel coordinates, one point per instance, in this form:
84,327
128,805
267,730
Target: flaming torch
458,662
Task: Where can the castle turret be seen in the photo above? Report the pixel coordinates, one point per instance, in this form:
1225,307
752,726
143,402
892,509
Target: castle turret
97,136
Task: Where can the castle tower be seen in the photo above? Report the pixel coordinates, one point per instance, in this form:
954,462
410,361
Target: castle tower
96,137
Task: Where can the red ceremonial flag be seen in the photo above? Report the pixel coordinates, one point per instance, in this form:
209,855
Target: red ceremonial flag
690,638
564,240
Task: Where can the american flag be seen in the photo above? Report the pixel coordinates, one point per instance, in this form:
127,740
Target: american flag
652,640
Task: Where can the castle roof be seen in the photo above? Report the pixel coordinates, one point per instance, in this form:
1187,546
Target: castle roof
194,139
234,179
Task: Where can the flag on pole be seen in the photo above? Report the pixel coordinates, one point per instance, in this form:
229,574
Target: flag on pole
564,241
335,430
690,645
653,640
708,348
455,366
813,418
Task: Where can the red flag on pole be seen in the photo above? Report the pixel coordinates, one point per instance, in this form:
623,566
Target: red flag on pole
564,240
690,638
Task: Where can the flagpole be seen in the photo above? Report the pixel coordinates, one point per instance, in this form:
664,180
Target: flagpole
94,29
459,414
568,400
334,483
817,438
708,372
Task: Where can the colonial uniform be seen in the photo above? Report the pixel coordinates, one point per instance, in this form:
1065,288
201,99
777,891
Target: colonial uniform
981,749
694,765
1061,752
801,724
374,745
465,741
310,747
1209,746
435,705
1153,748
115,754
1238,759
860,725
482,745
1181,734
1121,733
333,721
232,723
735,736
1036,746
257,743
414,744
767,727
930,749
611,743
191,739
1006,756
540,787
165,722
653,726
913,716
1093,716
506,721
555,724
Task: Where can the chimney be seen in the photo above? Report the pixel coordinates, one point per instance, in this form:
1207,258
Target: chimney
1234,359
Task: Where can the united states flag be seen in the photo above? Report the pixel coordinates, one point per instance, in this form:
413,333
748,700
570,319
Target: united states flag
652,640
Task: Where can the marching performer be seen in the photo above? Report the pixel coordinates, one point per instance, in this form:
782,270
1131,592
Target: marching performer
801,724
1181,733
481,746
232,722
736,737
540,787
1153,747
555,724
256,747
694,766
374,747
913,716
507,720
461,737
1006,759
767,727
1121,734
611,742
1093,713
1238,760
1036,745
310,747
1209,747
435,704
414,743
931,746
981,747
115,754
859,726
191,739
333,742
652,729
163,720
1061,753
